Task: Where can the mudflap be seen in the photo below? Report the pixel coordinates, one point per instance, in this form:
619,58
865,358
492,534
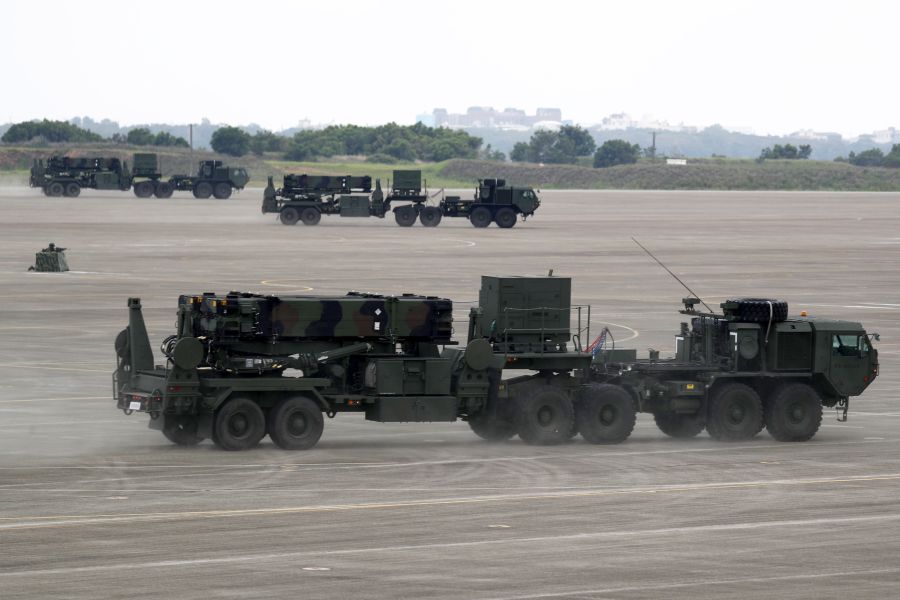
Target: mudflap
156,421
205,425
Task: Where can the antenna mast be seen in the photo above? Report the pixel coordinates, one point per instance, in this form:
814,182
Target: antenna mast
693,293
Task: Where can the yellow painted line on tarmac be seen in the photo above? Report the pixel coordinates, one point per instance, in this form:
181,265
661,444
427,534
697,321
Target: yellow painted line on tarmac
41,367
71,398
53,521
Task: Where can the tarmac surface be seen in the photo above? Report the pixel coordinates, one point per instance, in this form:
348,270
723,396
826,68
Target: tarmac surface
93,504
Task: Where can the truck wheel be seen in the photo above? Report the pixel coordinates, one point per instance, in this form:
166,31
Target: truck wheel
55,189
143,189
163,189
296,424
544,416
492,429
604,413
181,430
480,217
203,190
405,216
222,191
310,216
239,424
734,413
679,426
72,190
505,218
289,215
430,216
758,310
794,413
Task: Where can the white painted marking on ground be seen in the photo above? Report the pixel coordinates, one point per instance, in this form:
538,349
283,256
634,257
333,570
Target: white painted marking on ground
625,534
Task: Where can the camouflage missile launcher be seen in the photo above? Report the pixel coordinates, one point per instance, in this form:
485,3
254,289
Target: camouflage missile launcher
305,198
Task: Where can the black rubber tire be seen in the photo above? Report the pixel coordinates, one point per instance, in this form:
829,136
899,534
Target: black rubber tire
679,426
481,217
143,189
505,218
430,216
310,216
181,430
239,424
405,216
296,423
734,413
72,189
222,190
55,189
757,310
794,413
289,215
544,416
203,190
604,413
492,429
163,189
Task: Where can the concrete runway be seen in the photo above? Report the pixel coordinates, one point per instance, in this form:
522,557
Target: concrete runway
95,505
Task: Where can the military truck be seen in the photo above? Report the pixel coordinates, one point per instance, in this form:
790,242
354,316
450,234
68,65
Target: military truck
305,198
66,176
747,368
243,365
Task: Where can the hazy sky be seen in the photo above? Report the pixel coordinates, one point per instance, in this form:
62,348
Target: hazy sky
773,66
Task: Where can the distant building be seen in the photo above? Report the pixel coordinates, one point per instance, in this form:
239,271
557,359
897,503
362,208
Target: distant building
486,117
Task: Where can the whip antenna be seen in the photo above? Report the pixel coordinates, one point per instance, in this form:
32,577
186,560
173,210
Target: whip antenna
693,293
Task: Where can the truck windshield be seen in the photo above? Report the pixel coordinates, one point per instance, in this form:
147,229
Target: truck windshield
849,344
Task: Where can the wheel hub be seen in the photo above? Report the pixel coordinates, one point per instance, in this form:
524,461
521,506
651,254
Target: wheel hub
546,416
238,425
607,415
297,424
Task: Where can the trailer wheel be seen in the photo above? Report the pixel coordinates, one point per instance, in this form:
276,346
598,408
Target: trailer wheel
544,416
72,189
296,423
405,216
181,430
734,413
239,424
679,426
289,215
604,413
492,429
480,217
430,216
163,189
794,413
203,190
505,218
55,189
310,216
222,191
143,189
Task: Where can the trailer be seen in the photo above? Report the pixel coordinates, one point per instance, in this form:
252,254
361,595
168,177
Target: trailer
305,198
242,366
67,176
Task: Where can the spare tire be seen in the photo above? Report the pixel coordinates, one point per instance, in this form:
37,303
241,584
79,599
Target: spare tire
760,310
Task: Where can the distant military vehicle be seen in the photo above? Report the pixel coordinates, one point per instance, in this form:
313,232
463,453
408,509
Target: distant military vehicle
305,198
66,176
51,259
244,365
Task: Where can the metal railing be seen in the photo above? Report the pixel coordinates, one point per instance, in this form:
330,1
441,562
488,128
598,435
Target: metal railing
582,326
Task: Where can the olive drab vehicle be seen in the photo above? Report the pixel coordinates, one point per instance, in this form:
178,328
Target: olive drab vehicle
242,365
66,176
305,198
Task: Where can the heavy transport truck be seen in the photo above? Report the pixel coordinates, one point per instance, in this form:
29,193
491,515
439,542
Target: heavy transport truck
66,176
242,365
305,198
